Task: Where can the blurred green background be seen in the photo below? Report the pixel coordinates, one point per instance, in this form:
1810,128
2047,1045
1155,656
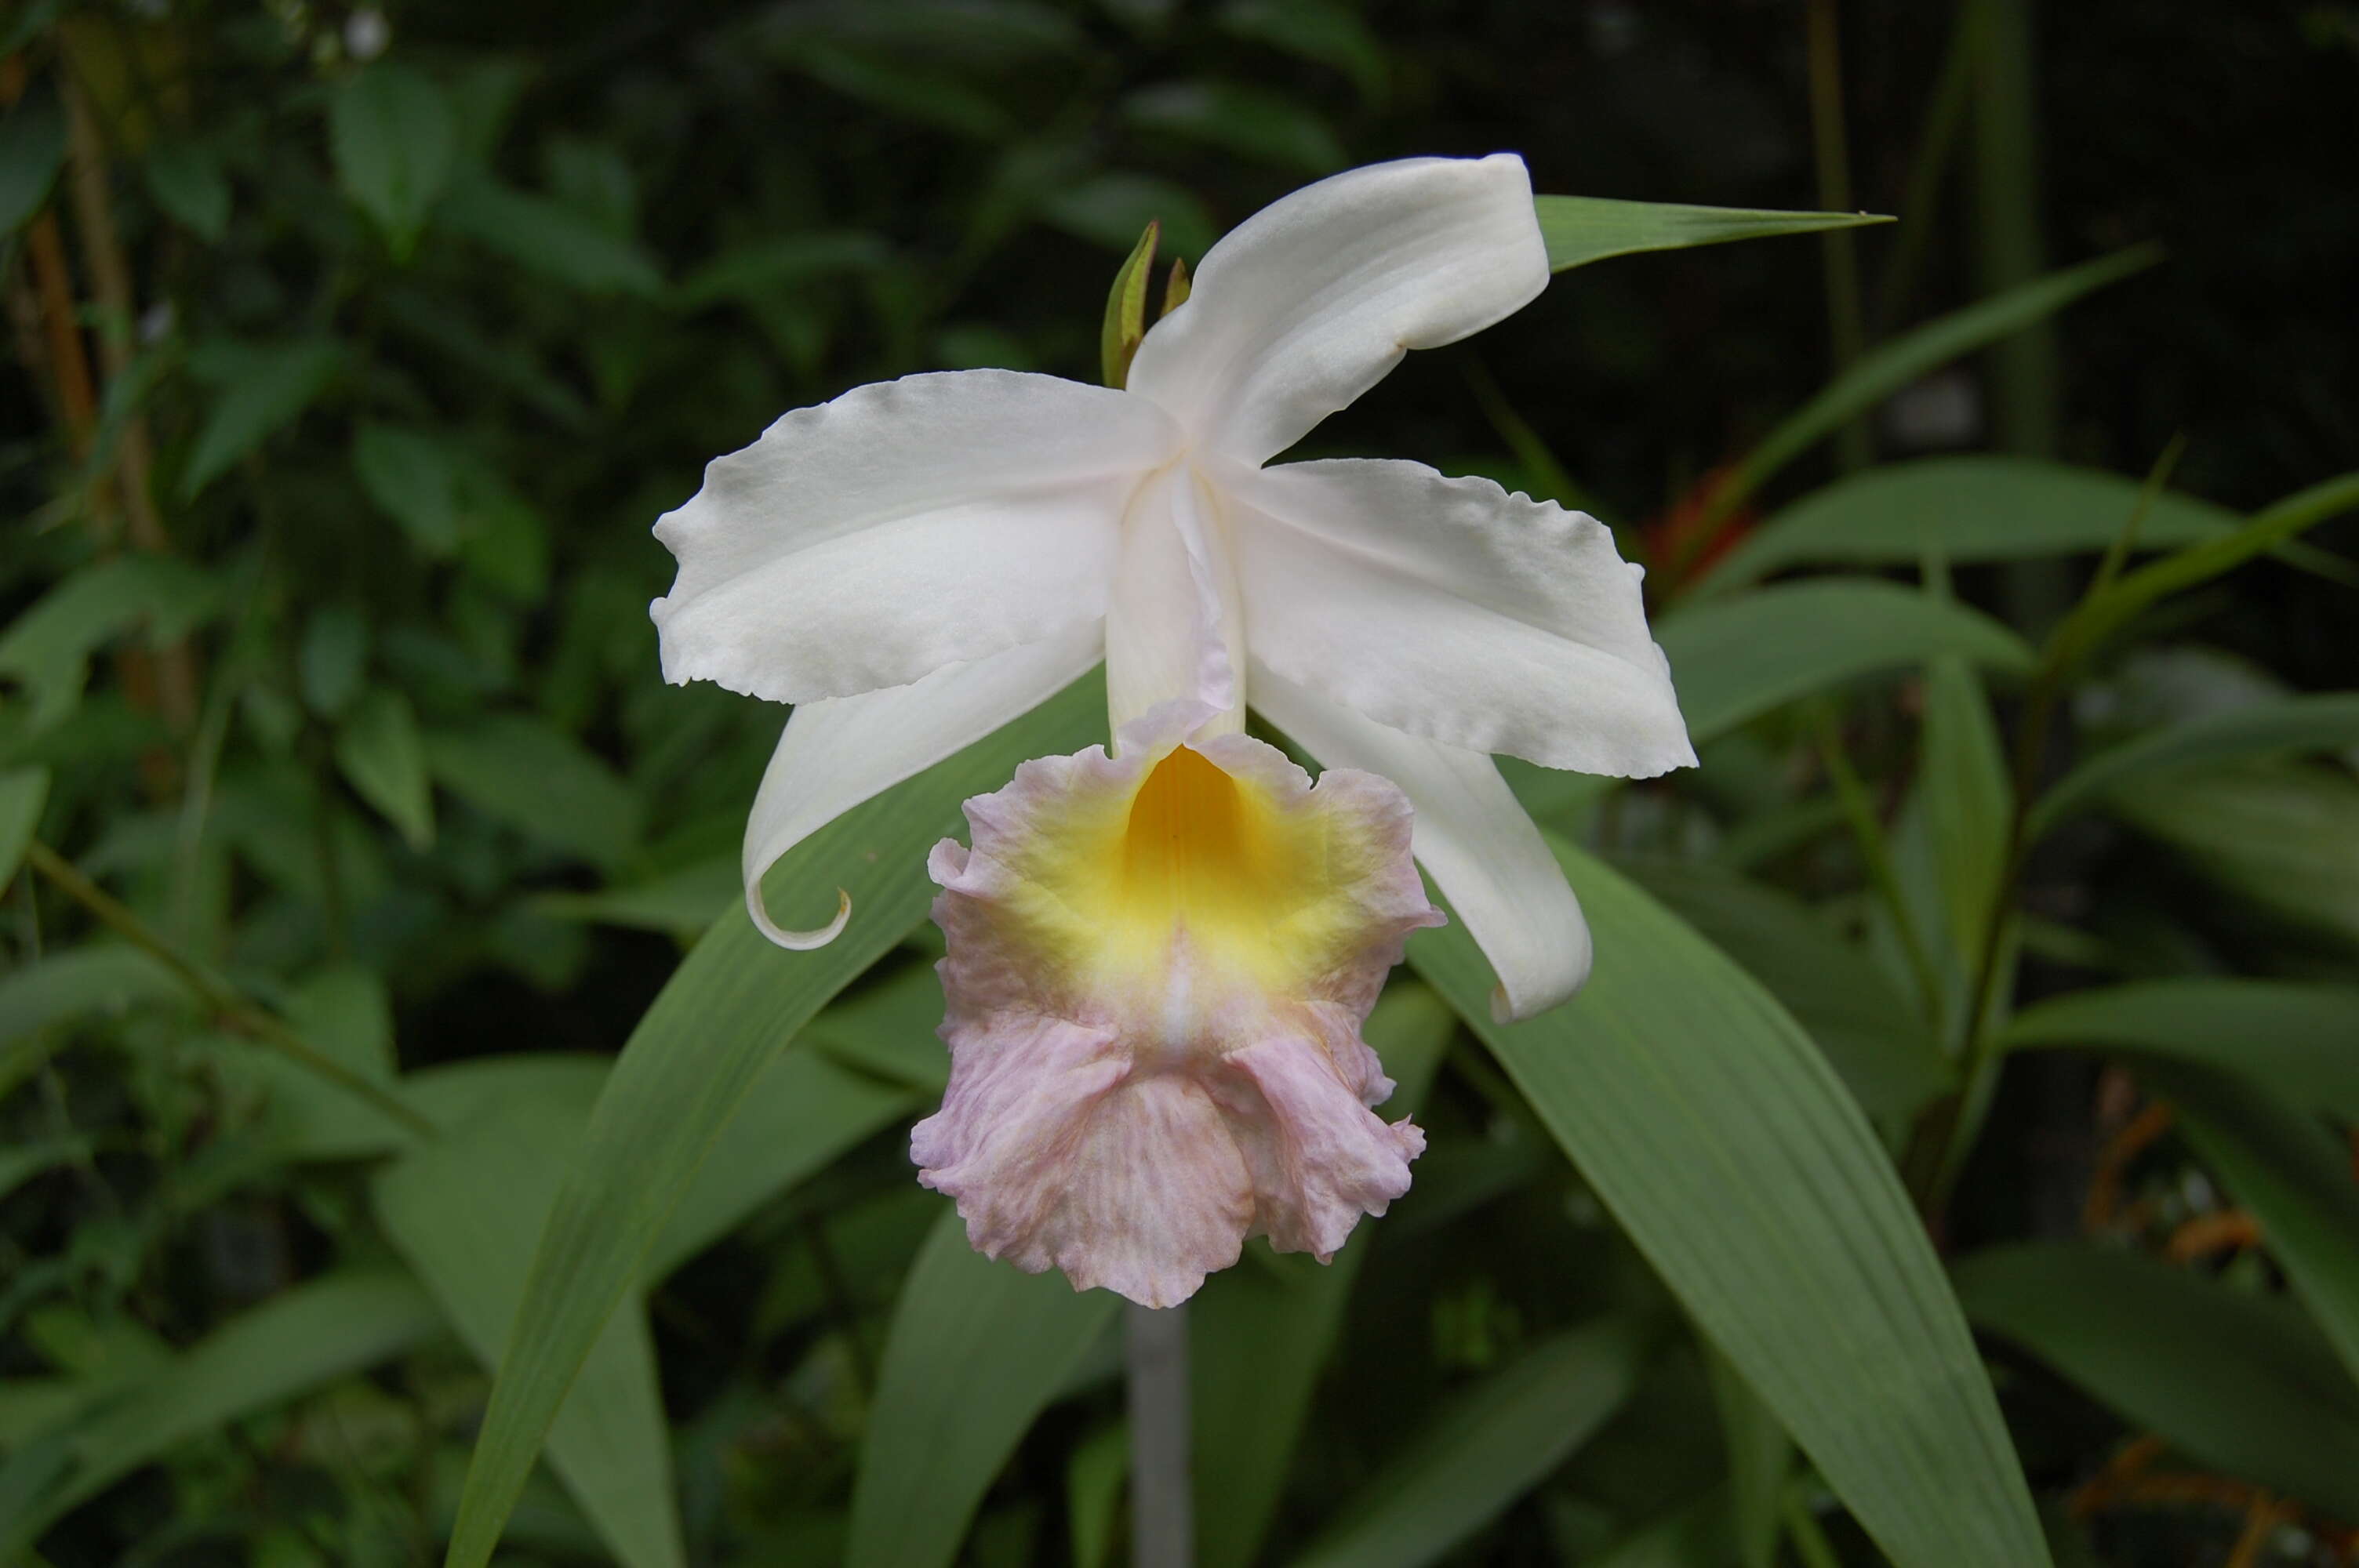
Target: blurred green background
355,351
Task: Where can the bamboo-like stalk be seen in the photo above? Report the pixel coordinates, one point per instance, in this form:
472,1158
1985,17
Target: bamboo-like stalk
110,276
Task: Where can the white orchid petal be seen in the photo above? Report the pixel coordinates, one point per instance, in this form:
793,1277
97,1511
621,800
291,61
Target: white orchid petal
1308,303
1453,609
1175,628
938,519
1471,835
837,752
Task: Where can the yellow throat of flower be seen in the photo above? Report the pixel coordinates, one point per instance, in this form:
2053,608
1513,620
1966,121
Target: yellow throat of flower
1194,887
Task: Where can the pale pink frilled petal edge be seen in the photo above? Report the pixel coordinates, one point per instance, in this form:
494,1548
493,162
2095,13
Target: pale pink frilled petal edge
1132,1122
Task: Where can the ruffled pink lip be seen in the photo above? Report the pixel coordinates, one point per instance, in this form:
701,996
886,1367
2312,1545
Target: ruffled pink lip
1132,1129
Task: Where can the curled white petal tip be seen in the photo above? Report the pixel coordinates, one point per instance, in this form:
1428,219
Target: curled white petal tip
797,941
836,753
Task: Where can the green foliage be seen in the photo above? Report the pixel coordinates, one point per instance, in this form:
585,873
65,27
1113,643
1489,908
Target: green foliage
1487,1448
977,1350
1714,1129
395,137
411,1154
1583,229
2230,1378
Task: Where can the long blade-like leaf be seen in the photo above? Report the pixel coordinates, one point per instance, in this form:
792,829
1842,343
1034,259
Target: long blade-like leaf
2298,1038
1735,660
465,1210
732,1002
977,1349
2235,1380
1721,1141
1486,1449
1877,376
1579,230
1258,1336
1986,507
2295,1180
321,1330
2321,723
2101,614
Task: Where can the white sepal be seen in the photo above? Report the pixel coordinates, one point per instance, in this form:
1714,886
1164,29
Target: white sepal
1456,610
838,753
933,520
1308,303
1473,838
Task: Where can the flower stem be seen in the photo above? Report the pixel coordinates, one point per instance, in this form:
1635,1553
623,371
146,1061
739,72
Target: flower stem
1162,1500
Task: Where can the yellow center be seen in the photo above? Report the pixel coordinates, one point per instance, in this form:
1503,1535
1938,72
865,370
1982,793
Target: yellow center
1245,880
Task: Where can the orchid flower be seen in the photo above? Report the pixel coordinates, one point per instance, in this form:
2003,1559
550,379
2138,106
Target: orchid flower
1160,958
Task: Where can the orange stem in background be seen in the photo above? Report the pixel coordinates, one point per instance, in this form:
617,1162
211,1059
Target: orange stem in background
2104,1198
2227,1231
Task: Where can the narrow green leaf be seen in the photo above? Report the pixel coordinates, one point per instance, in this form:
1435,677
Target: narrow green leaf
345,1013
2295,725
977,1349
760,267
801,1113
1259,1335
537,779
76,983
331,661
22,793
48,648
1487,1448
1095,1476
1737,659
264,388
901,90
317,1331
1712,1128
691,1061
1877,375
1984,507
886,1028
2098,616
1969,801
2297,1038
2279,1164
1109,208
464,1211
1579,230
2237,1381
1697,1533
550,238
1887,1055
21,1163
682,902
185,177
413,478
2285,837
1125,310
1759,1456
383,758
1318,30
1251,122
32,150
396,138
